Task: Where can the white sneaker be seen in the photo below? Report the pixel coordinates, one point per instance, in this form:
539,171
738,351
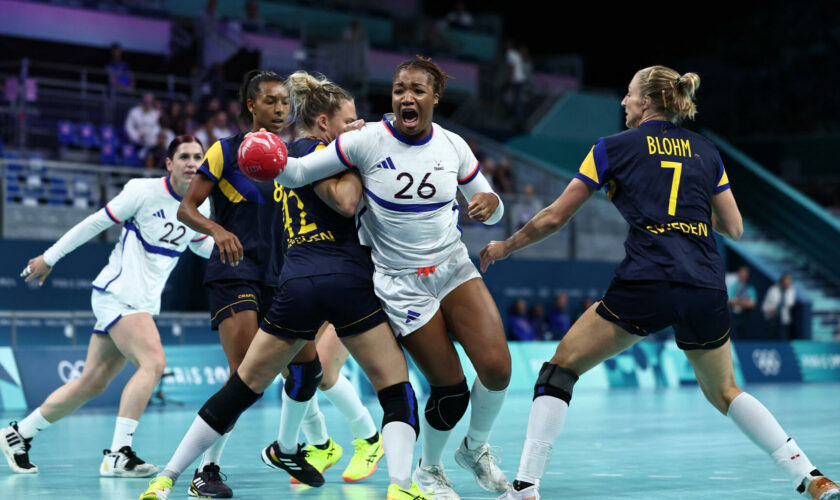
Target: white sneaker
124,463
432,479
529,493
482,463
16,450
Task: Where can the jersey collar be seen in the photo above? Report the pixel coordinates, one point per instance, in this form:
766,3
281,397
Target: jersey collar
397,135
170,189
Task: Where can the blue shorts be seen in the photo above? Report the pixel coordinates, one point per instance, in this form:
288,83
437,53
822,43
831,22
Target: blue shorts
229,296
700,316
301,306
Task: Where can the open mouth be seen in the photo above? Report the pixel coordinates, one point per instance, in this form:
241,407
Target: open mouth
278,122
410,117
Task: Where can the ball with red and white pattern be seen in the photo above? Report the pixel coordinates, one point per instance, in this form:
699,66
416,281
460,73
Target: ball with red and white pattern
262,156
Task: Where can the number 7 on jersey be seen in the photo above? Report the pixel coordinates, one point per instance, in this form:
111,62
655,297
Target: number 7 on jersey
675,185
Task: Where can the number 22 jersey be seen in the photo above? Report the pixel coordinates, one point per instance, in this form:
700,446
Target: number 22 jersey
661,178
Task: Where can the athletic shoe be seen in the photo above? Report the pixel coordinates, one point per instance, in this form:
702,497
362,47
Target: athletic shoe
432,480
158,489
482,463
529,493
16,450
321,458
413,493
125,463
295,464
365,460
818,487
209,483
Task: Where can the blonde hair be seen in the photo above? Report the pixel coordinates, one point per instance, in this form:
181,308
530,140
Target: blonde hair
313,96
673,93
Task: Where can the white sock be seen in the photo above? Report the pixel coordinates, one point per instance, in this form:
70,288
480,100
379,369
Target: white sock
32,424
291,415
344,397
548,414
314,426
123,433
485,405
213,455
761,427
199,437
433,443
398,439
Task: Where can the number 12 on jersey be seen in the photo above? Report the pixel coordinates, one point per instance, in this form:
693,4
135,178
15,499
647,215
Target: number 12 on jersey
675,185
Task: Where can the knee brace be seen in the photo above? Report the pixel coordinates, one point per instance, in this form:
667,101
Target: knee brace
447,404
399,404
303,380
223,408
555,381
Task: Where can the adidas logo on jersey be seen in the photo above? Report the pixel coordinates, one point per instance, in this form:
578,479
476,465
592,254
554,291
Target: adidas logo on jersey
160,214
411,315
386,164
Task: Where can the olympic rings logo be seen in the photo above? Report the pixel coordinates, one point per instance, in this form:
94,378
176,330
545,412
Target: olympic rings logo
768,361
70,371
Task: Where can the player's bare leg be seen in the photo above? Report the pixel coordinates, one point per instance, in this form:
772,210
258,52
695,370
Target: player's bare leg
716,377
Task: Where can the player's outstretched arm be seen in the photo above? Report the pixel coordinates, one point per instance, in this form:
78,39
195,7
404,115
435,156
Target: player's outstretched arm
230,248
312,167
726,218
548,221
342,193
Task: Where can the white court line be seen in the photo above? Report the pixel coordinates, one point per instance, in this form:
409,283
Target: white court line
723,472
664,477
777,480
555,473
607,475
717,478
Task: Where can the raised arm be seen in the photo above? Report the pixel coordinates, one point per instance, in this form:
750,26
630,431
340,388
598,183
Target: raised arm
546,222
342,193
315,166
230,249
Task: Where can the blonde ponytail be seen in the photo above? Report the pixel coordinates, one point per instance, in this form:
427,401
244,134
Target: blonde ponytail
671,93
312,96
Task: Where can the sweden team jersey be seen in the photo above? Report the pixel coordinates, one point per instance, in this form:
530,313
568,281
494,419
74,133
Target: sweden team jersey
151,241
247,209
318,240
410,216
662,177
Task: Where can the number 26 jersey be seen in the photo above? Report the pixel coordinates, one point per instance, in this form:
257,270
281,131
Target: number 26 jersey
410,216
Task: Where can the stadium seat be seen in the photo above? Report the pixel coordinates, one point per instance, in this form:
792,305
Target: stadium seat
108,135
66,137
87,137
130,158
13,164
109,154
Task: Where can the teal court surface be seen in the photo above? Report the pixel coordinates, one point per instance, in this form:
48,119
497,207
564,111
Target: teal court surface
619,443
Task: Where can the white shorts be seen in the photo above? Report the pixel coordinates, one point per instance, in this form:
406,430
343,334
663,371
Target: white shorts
411,297
108,310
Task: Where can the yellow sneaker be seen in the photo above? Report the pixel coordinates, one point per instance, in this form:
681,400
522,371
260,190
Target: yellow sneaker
364,460
158,489
413,493
321,459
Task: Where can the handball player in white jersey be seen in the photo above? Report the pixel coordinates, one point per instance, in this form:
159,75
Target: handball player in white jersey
126,294
411,169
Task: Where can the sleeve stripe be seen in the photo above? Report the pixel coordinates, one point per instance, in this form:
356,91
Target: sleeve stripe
587,180
471,175
341,156
206,171
108,211
721,189
199,239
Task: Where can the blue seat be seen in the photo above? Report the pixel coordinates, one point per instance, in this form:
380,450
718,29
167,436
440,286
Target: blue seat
87,135
108,135
109,154
130,158
66,135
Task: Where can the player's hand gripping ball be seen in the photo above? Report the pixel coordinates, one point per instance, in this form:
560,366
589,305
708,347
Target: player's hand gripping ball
262,156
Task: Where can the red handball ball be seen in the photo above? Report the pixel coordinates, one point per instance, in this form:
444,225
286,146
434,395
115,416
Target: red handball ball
262,156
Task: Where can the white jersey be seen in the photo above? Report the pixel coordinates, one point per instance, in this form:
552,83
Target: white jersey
410,215
151,241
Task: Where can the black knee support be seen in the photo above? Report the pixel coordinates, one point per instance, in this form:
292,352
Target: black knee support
555,381
447,404
223,408
399,404
303,380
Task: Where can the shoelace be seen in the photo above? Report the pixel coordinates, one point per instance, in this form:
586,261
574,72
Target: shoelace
132,459
23,447
213,473
492,453
439,476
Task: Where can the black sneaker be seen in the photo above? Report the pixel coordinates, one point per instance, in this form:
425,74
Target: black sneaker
209,483
125,463
16,450
295,464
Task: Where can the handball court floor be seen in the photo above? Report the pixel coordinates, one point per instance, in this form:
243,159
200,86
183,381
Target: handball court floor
619,443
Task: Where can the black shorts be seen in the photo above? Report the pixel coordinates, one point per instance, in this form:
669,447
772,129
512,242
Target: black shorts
302,305
228,296
700,316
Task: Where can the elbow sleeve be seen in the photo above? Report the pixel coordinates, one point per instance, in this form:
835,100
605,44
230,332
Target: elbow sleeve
497,214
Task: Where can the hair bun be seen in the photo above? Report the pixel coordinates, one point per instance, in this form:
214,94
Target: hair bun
688,83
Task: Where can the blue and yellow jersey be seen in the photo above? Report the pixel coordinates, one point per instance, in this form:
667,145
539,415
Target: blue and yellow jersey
318,240
247,209
661,178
